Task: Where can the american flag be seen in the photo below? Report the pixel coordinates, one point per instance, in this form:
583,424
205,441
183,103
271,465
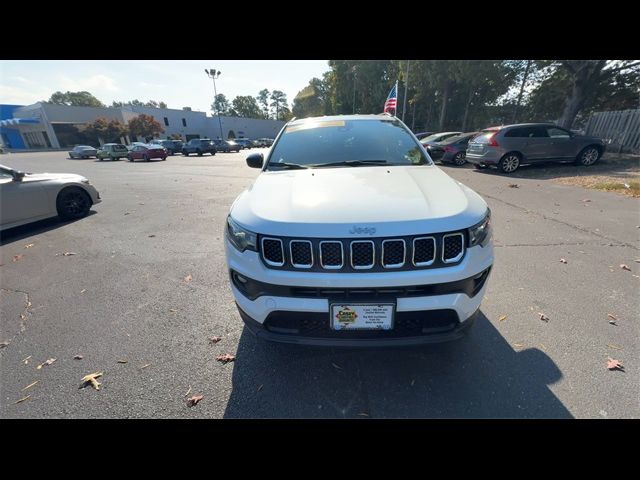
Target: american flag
392,99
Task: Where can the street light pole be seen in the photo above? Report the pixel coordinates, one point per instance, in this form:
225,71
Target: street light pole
213,74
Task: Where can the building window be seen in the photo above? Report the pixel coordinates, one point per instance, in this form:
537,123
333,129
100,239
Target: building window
184,122
166,121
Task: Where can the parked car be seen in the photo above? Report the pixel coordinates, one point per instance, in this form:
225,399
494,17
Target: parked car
227,146
112,151
452,150
437,137
199,146
265,142
171,146
29,197
422,135
351,236
133,144
83,151
147,152
244,142
510,146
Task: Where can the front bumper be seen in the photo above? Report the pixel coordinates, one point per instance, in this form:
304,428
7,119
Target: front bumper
439,300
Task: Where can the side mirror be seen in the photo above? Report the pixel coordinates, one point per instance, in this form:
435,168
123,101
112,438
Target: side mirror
255,160
18,176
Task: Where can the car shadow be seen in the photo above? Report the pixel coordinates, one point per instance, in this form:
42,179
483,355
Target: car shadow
479,376
610,165
19,233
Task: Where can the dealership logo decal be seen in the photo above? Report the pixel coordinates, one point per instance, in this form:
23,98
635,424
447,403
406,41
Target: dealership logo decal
346,315
362,230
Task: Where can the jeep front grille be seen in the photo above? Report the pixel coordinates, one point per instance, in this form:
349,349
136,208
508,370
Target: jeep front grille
360,255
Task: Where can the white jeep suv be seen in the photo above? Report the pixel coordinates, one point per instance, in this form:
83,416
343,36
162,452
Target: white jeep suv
351,236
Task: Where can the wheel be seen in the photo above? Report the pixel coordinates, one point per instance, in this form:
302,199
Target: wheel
509,163
588,156
460,159
99,159
72,203
145,157
130,158
185,153
199,152
213,153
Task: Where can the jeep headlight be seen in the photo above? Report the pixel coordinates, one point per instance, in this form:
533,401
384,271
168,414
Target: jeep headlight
240,237
480,233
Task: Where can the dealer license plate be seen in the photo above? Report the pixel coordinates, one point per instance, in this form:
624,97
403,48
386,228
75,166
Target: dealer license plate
361,316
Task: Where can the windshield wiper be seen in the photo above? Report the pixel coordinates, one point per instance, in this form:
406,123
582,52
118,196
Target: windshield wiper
292,166
350,163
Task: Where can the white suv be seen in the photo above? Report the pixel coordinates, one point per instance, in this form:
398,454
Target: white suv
352,236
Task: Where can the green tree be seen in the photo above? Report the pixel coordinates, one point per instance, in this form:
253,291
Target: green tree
246,106
263,101
76,99
105,129
309,101
220,105
278,101
145,126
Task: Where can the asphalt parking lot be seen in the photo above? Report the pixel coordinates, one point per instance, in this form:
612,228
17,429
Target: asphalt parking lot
122,303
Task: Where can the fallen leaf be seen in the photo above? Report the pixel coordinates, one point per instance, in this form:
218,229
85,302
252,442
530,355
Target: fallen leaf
91,378
173,310
518,345
17,258
615,365
29,246
612,316
260,387
503,318
145,366
614,346
188,278
68,254
78,357
22,400
337,366
562,260
543,317
83,290
586,200
4,344
22,316
123,361
625,267
226,358
363,414
194,400
30,385
45,363
214,340
514,185
26,360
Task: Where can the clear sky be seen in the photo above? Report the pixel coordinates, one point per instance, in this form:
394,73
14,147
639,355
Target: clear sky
179,83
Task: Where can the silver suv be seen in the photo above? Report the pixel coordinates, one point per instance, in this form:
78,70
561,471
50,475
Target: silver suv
510,146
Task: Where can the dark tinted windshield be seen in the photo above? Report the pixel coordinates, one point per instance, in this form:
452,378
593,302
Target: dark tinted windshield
331,141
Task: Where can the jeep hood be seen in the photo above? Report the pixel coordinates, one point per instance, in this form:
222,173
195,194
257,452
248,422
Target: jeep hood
334,202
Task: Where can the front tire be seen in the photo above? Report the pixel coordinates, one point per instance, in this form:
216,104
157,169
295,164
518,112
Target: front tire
185,153
73,203
199,152
509,163
460,159
588,156
130,158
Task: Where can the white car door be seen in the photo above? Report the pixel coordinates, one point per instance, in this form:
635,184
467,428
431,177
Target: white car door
22,200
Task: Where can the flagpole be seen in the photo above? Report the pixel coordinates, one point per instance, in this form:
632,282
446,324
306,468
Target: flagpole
396,110
406,85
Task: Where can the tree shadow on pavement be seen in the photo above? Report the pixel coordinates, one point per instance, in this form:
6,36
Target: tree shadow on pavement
480,376
18,233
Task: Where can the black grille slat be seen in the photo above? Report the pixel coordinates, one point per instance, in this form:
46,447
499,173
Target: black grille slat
331,254
424,250
452,247
362,254
393,253
272,250
301,253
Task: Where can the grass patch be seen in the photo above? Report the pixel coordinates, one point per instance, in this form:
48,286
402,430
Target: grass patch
630,187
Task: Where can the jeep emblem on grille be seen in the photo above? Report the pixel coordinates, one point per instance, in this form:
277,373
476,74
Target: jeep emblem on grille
359,230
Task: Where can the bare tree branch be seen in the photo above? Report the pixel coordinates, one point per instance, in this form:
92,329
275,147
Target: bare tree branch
623,67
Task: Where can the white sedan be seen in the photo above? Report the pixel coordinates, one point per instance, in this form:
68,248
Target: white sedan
29,197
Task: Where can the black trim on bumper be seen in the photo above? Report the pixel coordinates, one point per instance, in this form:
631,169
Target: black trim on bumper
253,289
322,335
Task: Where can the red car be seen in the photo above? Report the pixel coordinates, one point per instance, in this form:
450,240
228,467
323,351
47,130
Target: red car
147,152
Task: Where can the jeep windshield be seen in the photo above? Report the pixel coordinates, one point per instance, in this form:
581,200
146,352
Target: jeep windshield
346,143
